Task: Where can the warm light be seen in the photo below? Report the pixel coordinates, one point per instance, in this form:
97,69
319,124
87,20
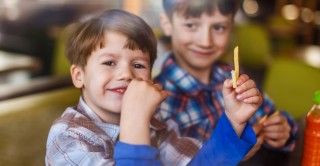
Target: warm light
133,6
12,13
10,3
290,12
251,7
313,57
307,15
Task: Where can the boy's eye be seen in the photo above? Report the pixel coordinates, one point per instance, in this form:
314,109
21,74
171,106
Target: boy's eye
191,25
219,28
109,63
138,66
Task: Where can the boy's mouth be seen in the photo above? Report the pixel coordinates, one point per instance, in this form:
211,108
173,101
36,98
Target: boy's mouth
119,90
202,53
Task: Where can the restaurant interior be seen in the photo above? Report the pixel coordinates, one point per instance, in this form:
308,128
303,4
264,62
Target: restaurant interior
279,47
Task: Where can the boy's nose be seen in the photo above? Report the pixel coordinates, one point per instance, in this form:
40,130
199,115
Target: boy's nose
205,38
125,73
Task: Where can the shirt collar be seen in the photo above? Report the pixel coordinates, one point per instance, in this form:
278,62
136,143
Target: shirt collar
111,130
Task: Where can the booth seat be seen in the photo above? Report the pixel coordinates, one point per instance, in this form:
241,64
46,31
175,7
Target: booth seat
25,122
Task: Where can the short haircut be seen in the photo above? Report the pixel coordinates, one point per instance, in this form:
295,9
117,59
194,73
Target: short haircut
195,8
90,34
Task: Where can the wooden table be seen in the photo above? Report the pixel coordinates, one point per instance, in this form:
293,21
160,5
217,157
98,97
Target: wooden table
25,123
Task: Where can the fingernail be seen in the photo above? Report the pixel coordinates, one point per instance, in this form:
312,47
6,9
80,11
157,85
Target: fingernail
239,97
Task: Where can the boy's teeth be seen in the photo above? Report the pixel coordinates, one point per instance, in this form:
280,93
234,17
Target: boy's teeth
120,90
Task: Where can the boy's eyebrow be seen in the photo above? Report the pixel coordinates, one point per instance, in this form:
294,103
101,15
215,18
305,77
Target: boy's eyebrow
221,20
106,54
141,57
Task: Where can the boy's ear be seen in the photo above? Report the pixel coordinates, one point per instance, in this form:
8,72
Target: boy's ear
77,76
165,24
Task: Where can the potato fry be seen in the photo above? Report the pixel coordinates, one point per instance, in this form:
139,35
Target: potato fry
235,72
264,118
236,61
274,114
234,78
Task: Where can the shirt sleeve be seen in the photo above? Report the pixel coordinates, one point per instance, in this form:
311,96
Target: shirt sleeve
140,155
224,147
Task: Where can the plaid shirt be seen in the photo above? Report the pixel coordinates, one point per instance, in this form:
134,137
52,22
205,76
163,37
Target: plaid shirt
79,137
196,107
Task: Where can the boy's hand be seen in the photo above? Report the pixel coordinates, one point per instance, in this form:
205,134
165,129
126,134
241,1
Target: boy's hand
142,98
241,103
276,130
138,106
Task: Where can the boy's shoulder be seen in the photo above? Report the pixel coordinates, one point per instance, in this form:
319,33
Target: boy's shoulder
75,125
76,136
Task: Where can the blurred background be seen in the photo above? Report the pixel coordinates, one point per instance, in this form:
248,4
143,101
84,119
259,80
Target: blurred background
279,42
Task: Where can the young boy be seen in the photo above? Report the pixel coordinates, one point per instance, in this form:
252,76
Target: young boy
112,57
199,32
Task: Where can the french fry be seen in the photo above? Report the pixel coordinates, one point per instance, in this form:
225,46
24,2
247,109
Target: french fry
235,72
234,78
274,114
236,61
264,118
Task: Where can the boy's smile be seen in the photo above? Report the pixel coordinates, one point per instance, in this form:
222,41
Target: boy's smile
118,90
108,72
199,42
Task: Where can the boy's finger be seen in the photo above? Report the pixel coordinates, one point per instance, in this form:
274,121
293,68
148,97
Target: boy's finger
227,87
164,94
245,86
243,78
158,86
149,81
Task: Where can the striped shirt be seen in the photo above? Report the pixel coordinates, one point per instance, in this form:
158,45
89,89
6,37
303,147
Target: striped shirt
196,107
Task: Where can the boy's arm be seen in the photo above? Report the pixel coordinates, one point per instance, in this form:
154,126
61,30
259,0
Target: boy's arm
138,106
233,138
242,102
225,147
129,154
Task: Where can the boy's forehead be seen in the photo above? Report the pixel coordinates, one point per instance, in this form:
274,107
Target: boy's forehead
216,15
196,8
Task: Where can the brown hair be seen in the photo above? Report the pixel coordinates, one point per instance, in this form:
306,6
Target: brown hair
90,34
194,8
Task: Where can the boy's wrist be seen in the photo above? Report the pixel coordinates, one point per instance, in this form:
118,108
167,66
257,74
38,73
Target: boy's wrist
238,127
135,130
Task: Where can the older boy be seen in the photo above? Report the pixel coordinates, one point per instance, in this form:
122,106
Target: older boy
199,32
112,57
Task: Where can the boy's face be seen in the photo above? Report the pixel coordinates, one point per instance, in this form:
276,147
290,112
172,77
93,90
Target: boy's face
198,42
107,74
